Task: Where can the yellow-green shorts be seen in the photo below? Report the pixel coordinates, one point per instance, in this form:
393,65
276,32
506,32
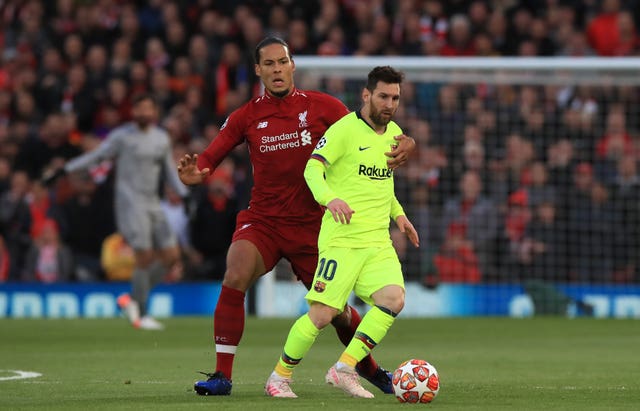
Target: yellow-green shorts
361,270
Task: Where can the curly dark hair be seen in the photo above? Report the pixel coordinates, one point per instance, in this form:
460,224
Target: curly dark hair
386,74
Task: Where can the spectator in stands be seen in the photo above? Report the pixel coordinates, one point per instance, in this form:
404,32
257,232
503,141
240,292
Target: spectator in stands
479,13
497,30
460,39
539,35
160,89
578,127
477,214
97,64
625,198
434,172
78,97
85,219
628,41
183,77
576,45
602,31
538,188
231,80
176,38
447,120
516,255
591,228
537,129
120,59
213,224
39,201
419,261
48,259
544,249
456,261
15,222
518,31
51,145
507,173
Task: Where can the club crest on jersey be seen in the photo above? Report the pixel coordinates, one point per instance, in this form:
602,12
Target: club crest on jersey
319,286
303,119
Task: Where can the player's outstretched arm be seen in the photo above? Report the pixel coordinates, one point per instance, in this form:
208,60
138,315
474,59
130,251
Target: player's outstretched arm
400,154
406,227
188,170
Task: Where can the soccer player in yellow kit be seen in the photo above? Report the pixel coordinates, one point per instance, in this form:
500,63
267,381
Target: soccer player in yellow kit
348,174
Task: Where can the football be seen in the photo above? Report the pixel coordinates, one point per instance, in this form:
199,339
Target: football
416,381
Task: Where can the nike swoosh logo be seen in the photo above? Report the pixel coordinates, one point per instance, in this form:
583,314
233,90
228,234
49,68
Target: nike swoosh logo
363,148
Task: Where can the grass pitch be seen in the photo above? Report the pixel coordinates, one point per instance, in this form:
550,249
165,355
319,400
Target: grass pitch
484,364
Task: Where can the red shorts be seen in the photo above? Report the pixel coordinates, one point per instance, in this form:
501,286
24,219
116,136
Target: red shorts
298,243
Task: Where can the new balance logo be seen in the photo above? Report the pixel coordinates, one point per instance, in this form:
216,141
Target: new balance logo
363,148
245,226
262,124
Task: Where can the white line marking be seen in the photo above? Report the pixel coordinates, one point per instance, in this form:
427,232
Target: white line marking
20,375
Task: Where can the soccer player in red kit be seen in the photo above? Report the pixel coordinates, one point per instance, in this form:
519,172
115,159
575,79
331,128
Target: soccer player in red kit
280,128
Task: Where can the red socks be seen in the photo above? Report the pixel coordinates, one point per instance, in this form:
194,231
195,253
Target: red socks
228,325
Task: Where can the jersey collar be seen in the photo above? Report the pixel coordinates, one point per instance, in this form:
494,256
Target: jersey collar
293,94
359,115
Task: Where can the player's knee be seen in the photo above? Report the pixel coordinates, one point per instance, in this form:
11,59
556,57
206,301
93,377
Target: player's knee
321,315
237,279
392,298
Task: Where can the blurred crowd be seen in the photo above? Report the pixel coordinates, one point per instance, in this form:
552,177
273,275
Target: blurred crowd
508,183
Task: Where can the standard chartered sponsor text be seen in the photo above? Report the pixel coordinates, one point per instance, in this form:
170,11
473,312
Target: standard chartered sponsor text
282,141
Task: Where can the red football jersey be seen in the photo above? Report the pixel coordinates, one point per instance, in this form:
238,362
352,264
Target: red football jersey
281,133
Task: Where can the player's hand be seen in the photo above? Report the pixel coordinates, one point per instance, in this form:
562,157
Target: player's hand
406,227
188,170
50,176
400,154
340,210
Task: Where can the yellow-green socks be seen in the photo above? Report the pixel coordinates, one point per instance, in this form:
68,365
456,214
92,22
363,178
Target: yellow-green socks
300,339
370,332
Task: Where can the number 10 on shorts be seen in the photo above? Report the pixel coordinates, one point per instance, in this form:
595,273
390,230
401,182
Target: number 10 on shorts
326,269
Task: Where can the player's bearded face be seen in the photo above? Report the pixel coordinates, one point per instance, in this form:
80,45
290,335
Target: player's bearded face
383,103
276,70
144,113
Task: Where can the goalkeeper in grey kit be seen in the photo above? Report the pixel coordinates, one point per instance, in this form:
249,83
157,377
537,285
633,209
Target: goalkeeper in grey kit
142,154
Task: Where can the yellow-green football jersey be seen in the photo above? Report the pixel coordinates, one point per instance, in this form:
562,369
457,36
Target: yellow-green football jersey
356,171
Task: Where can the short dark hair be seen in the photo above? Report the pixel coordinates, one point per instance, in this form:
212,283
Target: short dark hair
139,98
267,42
386,74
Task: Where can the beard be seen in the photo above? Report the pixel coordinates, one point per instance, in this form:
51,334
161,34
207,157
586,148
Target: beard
143,121
377,117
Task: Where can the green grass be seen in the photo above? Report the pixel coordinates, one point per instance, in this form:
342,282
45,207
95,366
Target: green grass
484,364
